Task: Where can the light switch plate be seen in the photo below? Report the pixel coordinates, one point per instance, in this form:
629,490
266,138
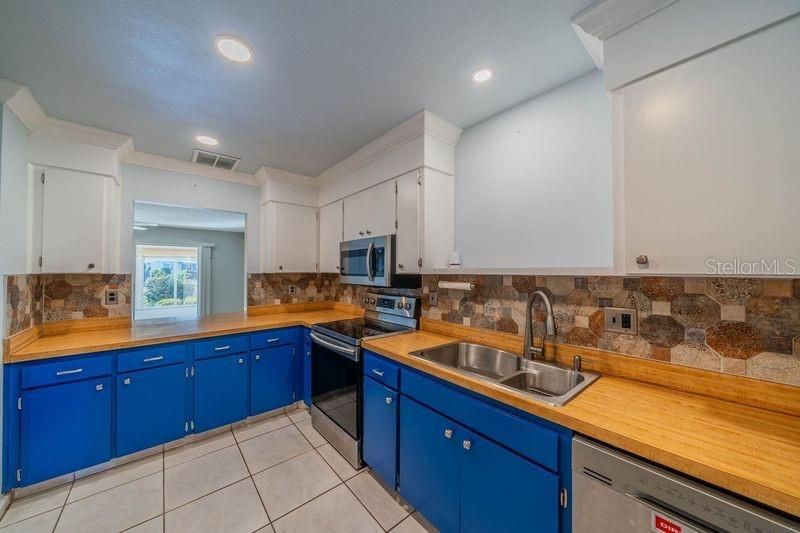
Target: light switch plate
433,299
621,320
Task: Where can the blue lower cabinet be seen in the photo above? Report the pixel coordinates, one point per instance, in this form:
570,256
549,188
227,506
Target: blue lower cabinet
65,428
220,391
380,430
429,464
528,500
151,407
272,378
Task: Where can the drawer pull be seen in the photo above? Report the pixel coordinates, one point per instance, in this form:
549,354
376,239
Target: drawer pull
377,372
276,339
152,359
68,372
220,348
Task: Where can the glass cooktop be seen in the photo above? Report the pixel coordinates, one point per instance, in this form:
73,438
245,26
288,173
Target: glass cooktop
355,329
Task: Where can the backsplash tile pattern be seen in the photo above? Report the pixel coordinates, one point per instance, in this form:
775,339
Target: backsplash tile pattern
23,302
269,289
77,296
741,326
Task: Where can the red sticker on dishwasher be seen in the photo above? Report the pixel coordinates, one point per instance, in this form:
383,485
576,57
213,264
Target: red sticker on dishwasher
661,524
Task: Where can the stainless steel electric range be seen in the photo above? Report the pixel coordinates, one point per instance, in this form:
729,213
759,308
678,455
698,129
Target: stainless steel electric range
337,368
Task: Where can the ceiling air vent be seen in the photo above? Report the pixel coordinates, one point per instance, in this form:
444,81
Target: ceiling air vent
224,162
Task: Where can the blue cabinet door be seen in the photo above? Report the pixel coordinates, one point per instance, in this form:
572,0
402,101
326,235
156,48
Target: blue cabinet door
429,464
380,430
501,491
271,378
220,391
65,428
151,407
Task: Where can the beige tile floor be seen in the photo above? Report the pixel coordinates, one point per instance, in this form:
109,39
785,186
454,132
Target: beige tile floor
274,475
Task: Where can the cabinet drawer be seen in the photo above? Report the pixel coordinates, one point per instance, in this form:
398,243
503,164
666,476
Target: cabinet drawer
382,370
220,346
152,356
276,337
525,437
66,370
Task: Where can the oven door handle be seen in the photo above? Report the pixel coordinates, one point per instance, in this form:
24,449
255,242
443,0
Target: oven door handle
370,274
347,351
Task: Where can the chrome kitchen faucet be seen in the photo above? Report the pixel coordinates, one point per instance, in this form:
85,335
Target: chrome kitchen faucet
550,325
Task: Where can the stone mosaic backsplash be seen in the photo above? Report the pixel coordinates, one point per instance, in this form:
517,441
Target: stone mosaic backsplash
735,325
271,289
23,302
77,296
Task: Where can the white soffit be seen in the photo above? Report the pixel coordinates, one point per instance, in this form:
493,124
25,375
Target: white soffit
609,17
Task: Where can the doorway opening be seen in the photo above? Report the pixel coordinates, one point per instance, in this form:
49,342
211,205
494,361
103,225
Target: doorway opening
167,281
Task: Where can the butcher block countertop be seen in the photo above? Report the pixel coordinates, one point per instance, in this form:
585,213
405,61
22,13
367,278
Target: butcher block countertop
746,450
81,342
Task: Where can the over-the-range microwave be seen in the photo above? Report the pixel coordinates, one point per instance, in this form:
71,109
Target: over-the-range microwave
371,262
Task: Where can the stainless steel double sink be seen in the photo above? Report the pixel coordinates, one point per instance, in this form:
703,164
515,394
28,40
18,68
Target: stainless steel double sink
547,382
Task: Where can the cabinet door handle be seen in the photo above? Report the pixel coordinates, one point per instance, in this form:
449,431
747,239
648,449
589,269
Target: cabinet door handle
448,433
241,361
220,348
258,357
98,387
68,372
126,381
467,444
388,400
377,372
152,359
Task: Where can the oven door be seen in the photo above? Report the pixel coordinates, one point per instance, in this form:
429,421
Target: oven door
367,261
336,375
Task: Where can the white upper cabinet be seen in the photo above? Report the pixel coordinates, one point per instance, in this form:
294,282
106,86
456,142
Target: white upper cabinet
409,202
77,221
290,233
370,212
330,235
710,159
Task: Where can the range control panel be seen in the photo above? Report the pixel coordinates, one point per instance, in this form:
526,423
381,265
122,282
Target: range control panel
389,303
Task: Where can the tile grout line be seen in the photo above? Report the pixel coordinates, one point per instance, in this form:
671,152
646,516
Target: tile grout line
253,481
363,504
110,488
63,506
163,490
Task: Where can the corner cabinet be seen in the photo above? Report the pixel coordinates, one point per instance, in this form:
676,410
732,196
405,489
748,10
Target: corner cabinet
74,412
448,450
330,236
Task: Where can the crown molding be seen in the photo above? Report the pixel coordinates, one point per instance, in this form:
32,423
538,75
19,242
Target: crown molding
265,174
24,105
606,18
187,167
441,129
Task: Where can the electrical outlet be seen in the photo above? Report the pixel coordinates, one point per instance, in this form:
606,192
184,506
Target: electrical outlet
621,320
433,299
292,289
112,297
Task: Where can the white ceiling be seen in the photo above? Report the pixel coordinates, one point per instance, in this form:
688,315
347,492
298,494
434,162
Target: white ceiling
328,75
175,216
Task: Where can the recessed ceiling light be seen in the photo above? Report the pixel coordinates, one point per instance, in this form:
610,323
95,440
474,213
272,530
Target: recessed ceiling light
205,139
233,48
482,74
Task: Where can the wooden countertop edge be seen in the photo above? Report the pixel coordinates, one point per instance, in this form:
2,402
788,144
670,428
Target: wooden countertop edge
258,322
560,415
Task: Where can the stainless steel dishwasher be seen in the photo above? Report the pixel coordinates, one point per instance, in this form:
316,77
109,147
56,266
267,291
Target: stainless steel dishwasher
615,492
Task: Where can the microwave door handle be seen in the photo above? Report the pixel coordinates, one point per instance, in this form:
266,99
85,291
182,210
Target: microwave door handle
370,273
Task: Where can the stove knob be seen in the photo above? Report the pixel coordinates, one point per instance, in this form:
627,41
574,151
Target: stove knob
399,305
407,306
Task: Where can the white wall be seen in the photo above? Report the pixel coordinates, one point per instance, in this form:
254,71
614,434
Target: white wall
227,269
533,185
166,187
682,30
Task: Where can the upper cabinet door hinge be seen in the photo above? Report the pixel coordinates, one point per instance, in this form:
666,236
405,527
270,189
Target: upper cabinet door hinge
419,262
41,261
42,177
19,474
19,403
419,177
395,187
